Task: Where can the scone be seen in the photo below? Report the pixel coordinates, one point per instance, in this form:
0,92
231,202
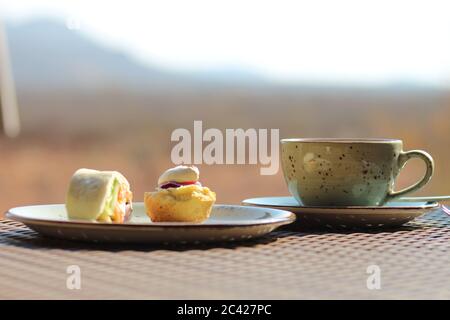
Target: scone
179,197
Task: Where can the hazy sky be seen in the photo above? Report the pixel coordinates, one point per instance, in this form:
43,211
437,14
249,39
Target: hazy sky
345,41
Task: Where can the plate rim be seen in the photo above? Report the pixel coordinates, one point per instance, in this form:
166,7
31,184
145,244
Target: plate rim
426,205
289,217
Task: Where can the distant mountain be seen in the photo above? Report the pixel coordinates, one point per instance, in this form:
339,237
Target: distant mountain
47,55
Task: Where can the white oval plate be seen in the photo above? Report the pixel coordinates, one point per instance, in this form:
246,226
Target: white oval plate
226,223
392,214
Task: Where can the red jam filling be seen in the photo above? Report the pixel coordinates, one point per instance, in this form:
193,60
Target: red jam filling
173,184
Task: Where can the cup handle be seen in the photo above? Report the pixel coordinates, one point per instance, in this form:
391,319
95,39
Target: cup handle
402,159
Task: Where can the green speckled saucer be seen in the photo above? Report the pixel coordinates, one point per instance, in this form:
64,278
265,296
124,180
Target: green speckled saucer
392,214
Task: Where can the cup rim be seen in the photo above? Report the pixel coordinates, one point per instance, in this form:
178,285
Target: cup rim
340,140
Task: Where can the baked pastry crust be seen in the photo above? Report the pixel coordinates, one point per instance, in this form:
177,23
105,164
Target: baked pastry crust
190,203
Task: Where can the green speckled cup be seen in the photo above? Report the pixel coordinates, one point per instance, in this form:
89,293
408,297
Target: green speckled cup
347,172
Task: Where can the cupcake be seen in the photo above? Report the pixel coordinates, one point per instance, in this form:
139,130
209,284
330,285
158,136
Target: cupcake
179,197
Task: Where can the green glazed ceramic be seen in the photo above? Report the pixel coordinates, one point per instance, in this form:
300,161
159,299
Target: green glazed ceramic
347,172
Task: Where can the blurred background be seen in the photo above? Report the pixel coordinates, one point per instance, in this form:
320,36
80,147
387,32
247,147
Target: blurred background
102,84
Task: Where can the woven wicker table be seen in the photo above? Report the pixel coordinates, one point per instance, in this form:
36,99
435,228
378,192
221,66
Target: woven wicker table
414,262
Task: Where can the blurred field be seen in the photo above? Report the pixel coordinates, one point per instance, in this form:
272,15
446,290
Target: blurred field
130,132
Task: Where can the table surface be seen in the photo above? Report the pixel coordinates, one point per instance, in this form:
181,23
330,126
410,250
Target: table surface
414,262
